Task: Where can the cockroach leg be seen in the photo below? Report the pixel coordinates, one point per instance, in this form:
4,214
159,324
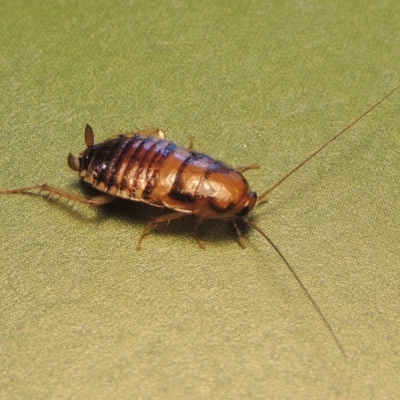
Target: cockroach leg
52,191
155,221
191,143
21,190
256,165
158,133
199,222
241,239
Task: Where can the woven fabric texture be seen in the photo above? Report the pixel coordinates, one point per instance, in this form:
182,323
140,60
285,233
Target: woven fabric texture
83,315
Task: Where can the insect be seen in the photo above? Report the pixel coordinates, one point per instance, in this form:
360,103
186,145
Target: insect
145,167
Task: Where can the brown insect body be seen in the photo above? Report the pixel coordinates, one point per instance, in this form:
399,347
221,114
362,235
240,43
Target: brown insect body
146,167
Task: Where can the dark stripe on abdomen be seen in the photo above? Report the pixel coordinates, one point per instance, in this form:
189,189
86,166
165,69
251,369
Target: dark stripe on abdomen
154,168
178,188
108,172
130,148
99,159
128,180
217,166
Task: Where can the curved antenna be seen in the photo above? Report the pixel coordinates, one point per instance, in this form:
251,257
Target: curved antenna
317,309
273,187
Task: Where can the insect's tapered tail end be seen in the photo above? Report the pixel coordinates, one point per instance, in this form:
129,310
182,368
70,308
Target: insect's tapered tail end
89,136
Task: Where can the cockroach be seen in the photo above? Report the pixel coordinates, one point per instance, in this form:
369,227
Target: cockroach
143,166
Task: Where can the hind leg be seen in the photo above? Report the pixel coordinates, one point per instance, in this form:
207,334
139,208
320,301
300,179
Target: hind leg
52,191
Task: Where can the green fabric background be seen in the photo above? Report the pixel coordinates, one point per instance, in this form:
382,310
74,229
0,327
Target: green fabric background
83,315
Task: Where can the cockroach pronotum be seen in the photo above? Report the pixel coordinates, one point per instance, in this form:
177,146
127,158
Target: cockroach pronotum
145,167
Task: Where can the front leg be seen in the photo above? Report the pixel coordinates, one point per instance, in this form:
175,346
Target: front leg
199,222
155,221
245,168
241,239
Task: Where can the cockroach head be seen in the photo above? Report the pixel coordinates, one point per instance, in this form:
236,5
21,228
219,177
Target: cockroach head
247,205
223,193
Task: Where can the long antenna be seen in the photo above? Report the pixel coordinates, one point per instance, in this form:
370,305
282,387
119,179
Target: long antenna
278,183
273,187
317,309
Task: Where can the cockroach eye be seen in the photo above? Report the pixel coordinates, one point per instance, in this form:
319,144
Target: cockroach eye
249,206
244,212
